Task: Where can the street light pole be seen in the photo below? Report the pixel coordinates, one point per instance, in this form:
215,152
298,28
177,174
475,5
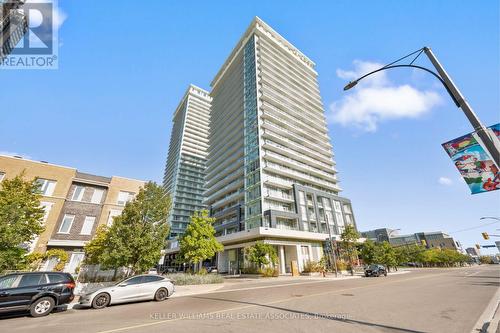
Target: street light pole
490,142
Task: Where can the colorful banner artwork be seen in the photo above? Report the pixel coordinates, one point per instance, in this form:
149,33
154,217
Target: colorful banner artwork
473,163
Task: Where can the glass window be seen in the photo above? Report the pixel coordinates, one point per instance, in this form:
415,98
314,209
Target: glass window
78,193
46,186
47,206
56,278
66,224
124,197
112,214
97,196
152,278
88,224
134,280
8,281
32,280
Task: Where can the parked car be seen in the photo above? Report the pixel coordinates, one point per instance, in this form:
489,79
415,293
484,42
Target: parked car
137,288
36,292
375,270
153,271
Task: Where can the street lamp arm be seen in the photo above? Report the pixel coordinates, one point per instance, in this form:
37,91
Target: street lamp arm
355,82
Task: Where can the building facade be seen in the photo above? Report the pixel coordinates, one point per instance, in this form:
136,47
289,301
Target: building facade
75,204
270,172
379,235
13,25
430,240
184,176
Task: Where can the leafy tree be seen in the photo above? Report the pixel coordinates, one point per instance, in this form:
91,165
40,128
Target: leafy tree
198,241
95,248
138,235
33,261
349,238
261,254
385,254
21,219
367,252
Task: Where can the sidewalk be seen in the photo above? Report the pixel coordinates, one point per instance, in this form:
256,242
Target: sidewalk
237,283
489,322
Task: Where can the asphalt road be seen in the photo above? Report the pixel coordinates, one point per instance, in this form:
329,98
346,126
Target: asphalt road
428,300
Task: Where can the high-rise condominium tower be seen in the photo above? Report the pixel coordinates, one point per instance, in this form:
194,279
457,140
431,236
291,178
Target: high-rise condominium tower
270,168
185,168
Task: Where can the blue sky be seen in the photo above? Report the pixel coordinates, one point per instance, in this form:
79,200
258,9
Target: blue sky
123,68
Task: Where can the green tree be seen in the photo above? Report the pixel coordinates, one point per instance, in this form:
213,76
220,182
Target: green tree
261,254
95,248
21,219
367,252
349,238
385,254
198,241
138,235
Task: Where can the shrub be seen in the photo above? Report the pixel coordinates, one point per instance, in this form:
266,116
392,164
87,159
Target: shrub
182,279
62,257
341,265
250,270
313,267
269,272
202,271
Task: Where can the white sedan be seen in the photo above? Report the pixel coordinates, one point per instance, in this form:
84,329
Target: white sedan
136,288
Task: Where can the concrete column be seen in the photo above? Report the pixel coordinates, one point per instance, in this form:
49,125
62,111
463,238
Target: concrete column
282,259
299,258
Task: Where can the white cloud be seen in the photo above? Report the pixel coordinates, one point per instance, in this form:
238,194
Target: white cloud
445,181
376,99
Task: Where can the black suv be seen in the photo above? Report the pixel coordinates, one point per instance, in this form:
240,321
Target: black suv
375,270
38,292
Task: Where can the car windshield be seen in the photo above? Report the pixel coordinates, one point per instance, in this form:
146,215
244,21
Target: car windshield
373,267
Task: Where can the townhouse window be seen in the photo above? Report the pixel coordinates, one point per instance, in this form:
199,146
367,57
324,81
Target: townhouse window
111,216
47,206
97,196
124,197
46,186
88,224
2,175
66,224
78,193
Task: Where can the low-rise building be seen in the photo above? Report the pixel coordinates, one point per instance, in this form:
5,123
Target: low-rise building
437,239
75,204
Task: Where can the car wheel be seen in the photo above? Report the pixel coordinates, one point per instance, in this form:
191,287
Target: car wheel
161,294
101,301
385,274
42,306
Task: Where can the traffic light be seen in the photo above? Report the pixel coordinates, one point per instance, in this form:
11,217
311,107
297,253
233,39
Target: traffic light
424,242
478,246
485,235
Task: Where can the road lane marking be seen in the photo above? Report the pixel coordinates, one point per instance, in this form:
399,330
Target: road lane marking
265,304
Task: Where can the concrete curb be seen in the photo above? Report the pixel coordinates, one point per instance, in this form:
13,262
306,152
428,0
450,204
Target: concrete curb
489,320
